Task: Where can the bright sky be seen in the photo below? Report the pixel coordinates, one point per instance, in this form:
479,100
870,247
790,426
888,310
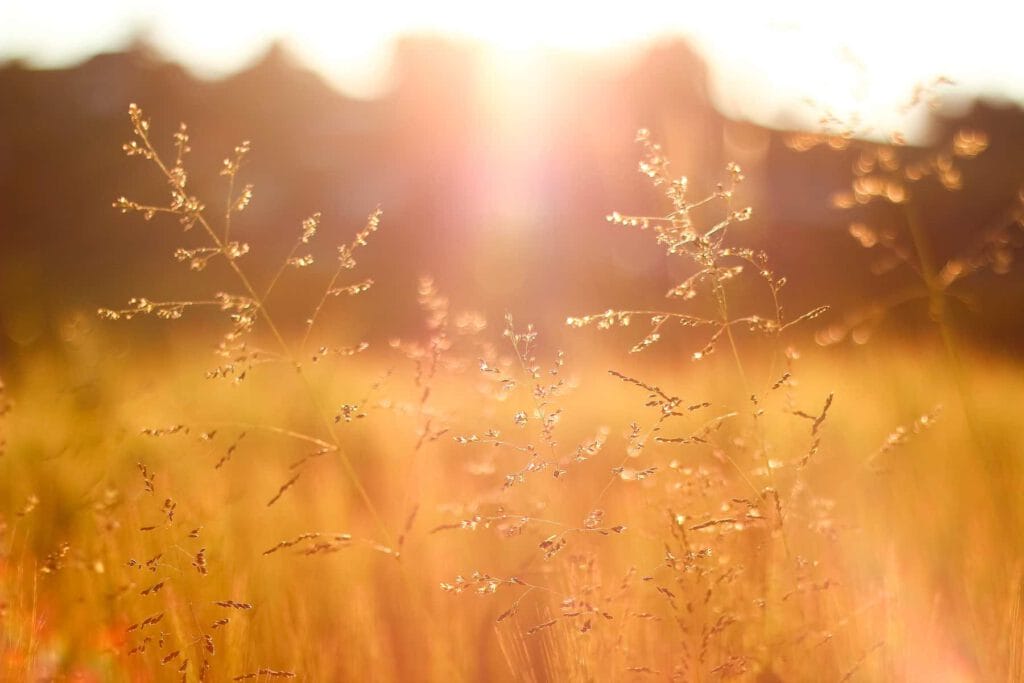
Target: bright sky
765,56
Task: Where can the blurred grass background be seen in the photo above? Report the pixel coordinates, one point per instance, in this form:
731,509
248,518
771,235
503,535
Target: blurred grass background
923,556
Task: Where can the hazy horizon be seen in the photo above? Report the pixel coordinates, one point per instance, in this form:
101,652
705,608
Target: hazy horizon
764,63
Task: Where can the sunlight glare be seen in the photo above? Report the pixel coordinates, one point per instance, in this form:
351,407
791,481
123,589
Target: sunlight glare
764,59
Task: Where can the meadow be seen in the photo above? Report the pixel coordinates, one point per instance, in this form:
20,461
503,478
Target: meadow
717,489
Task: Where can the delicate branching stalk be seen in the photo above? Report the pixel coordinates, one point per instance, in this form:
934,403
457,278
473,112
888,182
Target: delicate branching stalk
191,212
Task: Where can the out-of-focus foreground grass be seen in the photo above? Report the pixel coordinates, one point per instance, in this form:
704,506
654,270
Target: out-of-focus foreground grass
895,562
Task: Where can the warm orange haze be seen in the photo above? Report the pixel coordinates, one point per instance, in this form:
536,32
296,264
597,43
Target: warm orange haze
546,360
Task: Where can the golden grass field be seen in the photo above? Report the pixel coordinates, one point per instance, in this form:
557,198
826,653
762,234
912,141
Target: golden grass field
472,504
